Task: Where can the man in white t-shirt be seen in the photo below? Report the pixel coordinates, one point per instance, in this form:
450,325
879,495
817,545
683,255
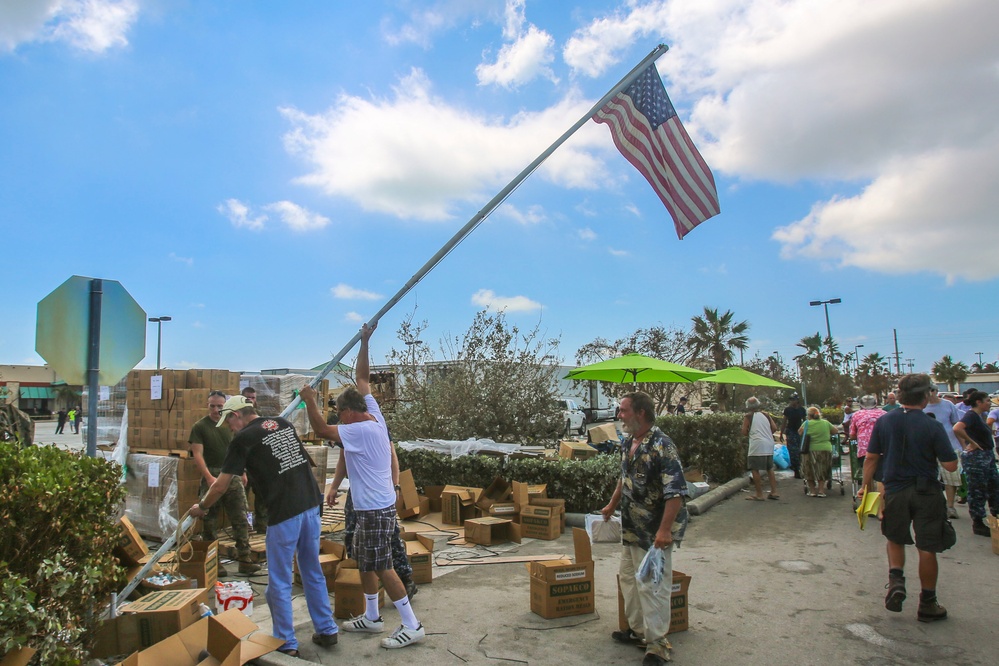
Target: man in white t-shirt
947,415
367,452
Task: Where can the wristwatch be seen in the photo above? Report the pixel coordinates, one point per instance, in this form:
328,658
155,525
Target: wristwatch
398,487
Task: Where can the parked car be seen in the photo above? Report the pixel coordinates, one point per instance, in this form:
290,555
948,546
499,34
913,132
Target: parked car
572,416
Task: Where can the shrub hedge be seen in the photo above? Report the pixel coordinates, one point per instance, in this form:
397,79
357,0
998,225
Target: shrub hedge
711,443
59,515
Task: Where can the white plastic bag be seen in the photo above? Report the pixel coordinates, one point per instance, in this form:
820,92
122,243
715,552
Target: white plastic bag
603,531
651,570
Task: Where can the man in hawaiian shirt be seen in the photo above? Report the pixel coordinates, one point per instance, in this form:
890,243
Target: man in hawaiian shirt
652,495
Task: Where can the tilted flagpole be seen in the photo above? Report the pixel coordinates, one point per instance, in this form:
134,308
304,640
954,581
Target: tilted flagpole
480,216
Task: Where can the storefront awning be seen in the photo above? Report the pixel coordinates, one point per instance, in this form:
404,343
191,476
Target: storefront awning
37,393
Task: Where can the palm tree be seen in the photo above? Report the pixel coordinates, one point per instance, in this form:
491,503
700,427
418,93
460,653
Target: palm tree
715,337
946,370
812,354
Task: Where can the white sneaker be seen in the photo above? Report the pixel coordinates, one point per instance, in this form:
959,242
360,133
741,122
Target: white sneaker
363,624
404,636
951,512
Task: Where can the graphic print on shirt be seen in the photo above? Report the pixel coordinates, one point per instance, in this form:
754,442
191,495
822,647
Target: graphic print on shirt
285,448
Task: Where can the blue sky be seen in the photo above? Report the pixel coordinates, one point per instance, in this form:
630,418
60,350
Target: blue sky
269,174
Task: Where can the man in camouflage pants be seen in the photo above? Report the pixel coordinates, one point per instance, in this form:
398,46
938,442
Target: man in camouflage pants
208,448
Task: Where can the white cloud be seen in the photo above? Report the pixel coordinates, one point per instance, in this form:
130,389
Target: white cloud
520,61
239,214
487,298
197,324
525,56
345,291
587,234
633,209
895,97
88,25
720,269
297,217
935,213
432,17
187,365
416,157
182,260
198,305
353,317
618,253
533,215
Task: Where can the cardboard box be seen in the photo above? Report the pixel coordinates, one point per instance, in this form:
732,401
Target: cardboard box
491,530
458,504
198,560
498,491
348,596
174,581
131,549
539,522
434,495
215,380
142,379
226,638
157,616
420,551
562,588
603,433
410,503
576,450
537,491
678,602
557,504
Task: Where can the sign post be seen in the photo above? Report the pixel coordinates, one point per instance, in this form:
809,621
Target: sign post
92,332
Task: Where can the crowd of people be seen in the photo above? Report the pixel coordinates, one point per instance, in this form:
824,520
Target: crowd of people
917,449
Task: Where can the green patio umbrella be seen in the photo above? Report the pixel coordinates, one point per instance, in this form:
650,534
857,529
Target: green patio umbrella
736,375
632,368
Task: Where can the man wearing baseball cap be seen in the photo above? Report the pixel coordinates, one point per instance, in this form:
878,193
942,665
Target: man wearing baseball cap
269,449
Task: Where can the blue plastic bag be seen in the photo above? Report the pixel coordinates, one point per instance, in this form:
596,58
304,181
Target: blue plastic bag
782,459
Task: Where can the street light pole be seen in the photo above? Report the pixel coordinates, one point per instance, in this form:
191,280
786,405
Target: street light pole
856,350
825,304
159,336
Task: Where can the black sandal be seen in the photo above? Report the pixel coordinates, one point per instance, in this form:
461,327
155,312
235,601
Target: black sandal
290,653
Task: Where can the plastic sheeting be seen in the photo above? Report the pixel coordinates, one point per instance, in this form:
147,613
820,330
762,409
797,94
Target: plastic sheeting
456,449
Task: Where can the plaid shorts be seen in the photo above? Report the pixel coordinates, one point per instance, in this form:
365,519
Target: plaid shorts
373,539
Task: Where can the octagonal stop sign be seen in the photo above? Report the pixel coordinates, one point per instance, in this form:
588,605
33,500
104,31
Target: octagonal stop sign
62,335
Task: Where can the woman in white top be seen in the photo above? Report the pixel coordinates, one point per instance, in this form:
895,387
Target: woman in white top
760,428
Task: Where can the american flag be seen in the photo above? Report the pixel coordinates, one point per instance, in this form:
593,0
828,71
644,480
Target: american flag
647,131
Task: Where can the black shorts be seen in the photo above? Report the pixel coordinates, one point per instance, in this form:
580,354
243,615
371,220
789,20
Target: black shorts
926,513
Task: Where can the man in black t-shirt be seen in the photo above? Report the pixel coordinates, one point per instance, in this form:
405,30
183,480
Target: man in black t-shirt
794,416
269,449
911,444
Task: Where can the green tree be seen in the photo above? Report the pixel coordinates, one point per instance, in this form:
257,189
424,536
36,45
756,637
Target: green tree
714,339
811,357
873,375
949,371
493,382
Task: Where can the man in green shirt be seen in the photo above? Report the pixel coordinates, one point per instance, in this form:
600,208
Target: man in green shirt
208,448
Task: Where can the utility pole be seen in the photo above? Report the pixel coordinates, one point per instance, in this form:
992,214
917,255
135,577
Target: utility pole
979,354
898,355
908,362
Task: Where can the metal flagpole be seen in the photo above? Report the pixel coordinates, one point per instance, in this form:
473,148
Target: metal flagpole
481,215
